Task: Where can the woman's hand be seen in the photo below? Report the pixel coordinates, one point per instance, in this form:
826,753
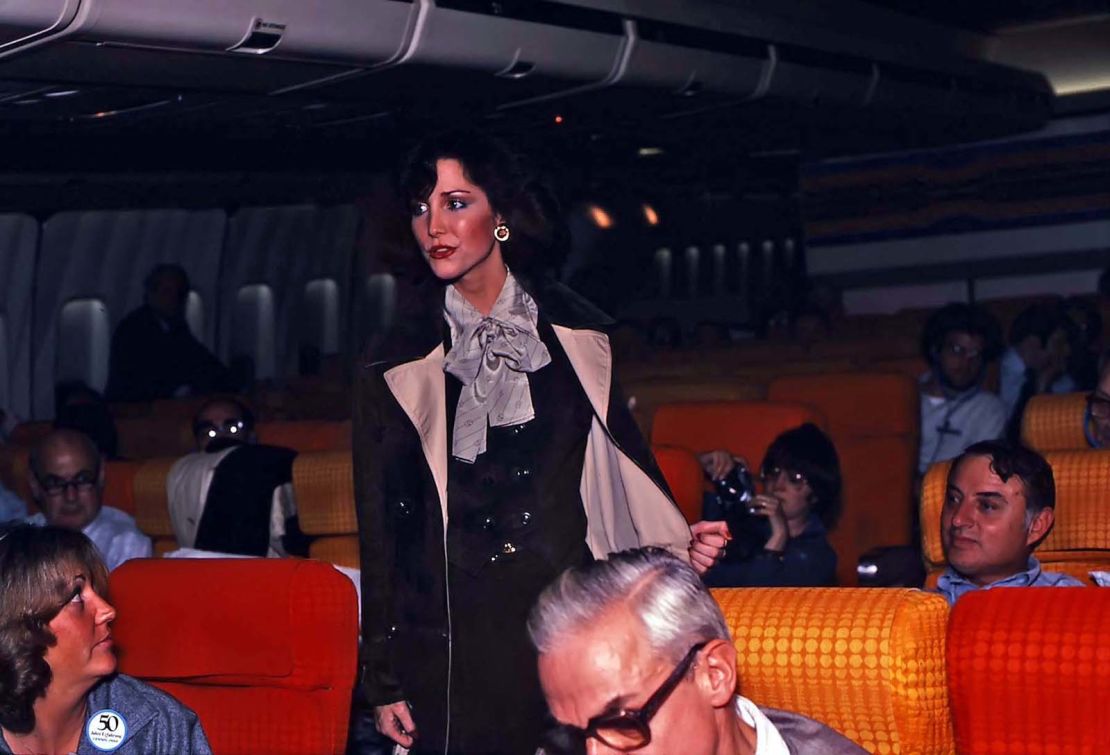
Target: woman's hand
708,545
771,507
395,721
717,464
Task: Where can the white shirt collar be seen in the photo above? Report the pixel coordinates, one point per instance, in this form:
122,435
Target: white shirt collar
768,741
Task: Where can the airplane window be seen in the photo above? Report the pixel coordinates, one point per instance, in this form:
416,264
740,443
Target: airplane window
84,342
194,315
5,365
380,298
321,323
663,272
253,330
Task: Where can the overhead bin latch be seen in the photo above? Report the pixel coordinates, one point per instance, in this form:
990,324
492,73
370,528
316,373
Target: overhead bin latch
261,37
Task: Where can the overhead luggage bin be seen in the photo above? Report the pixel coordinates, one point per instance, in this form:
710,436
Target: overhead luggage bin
244,45
807,75
25,22
495,53
696,62
912,90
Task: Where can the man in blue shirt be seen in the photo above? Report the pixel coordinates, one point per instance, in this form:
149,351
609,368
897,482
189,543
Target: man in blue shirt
999,505
67,481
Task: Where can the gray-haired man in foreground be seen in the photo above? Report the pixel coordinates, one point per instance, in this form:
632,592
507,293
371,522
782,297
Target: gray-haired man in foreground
635,656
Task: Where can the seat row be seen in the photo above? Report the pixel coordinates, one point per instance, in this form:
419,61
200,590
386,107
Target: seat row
264,650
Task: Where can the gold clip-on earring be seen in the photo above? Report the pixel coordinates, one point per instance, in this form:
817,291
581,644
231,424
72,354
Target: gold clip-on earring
501,232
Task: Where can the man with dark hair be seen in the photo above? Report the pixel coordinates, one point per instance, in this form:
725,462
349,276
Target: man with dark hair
154,354
958,342
1037,359
999,505
67,481
234,495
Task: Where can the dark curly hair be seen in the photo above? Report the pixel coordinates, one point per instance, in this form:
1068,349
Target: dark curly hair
36,581
515,188
961,318
808,451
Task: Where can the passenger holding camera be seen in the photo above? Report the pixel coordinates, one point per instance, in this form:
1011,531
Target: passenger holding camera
779,535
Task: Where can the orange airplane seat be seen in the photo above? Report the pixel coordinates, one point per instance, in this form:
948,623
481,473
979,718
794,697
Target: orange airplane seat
1029,671
324,485
869,662
264,650
685,478
1055,422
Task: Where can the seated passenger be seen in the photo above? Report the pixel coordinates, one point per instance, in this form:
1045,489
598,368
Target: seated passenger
59,690
999,505
154,354
67,482
233,495
1036,361
634,655
779,537
1096,420
958,342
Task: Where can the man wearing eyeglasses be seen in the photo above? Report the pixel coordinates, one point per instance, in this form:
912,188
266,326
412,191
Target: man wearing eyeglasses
67,482
234,495
958,342
635,656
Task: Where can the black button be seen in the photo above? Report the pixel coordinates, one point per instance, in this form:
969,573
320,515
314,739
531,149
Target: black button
488,523
517,429
404,507
521,473
488,481
525,518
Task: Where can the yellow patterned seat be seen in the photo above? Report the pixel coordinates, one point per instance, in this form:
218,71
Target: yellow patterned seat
867,662
324,485
1080,540
1054,422
152,508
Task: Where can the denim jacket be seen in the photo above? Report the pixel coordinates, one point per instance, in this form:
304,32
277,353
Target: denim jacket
155,723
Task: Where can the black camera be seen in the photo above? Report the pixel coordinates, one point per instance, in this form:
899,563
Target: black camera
735,493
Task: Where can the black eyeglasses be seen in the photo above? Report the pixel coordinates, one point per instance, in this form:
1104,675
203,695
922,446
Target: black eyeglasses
625,730
54,486
232,427
797,479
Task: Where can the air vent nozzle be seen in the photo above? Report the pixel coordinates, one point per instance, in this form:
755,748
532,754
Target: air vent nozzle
261,38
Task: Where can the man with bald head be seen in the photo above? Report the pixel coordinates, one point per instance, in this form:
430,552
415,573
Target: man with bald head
67,482
234,495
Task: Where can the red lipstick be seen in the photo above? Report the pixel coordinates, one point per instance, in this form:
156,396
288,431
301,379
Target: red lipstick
441,252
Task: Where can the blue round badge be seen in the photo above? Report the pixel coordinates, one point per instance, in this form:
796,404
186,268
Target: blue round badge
106,729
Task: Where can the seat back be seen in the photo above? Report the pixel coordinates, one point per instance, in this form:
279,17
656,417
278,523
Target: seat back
262,649
873,419
151,437
1080,539
867,662
152,508
119,484
684,477
324,485
744,428
306,436
1055,422
1028,671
